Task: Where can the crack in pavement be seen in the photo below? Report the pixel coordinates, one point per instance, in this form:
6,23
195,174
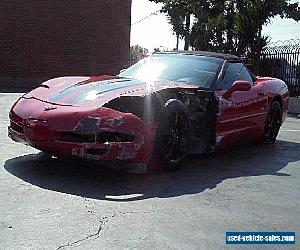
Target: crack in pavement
103,221
95,235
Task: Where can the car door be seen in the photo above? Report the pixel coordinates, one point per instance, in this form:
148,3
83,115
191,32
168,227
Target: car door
240,114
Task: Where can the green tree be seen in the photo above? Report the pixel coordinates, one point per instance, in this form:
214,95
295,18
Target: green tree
179,15
249,21
230,26
137,53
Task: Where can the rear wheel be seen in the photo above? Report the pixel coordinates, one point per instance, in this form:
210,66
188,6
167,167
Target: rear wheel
273,123
173,138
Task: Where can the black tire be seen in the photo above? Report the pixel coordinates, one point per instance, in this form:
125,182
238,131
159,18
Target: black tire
273,123
173,137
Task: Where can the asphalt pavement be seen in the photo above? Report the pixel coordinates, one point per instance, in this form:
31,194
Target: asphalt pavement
51,203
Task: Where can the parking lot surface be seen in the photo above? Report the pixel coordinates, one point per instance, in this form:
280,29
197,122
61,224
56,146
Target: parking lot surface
50,203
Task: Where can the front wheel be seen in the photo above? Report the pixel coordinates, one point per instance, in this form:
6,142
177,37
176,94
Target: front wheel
273,123
173,138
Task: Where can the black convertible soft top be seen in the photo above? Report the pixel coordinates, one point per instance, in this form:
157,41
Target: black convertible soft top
204,53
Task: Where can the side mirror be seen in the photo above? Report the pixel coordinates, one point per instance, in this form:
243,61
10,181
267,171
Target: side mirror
239,85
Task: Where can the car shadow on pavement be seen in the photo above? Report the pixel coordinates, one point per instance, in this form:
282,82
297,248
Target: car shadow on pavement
90,180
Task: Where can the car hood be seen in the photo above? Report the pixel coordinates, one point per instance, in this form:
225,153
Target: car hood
91,91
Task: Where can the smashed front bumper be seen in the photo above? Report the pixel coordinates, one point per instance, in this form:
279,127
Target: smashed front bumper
92,134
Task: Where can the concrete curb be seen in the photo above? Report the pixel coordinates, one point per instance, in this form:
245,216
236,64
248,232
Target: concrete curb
294,105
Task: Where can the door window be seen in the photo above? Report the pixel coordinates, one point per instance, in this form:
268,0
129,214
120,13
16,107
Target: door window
234,72
245,75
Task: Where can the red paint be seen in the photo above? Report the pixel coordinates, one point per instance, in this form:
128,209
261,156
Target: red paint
242,117
64,119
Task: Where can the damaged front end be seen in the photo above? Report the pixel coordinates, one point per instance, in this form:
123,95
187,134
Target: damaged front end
91,133
202,107
122,128
123,137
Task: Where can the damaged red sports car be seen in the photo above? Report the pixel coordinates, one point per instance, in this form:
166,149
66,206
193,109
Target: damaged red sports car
165,106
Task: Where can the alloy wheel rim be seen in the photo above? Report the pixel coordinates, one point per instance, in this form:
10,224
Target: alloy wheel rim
176,137
274,123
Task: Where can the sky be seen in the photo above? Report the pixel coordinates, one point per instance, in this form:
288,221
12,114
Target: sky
156,31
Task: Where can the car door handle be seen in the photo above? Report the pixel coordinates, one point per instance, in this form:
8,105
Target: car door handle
262,93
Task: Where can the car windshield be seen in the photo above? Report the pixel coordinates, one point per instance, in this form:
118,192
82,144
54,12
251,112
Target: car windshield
190,69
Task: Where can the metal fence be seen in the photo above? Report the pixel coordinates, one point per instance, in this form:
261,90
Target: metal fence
282,60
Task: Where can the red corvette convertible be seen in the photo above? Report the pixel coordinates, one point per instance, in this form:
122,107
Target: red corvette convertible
164,107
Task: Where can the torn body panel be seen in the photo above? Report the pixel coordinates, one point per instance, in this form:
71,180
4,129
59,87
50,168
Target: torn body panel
202,107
